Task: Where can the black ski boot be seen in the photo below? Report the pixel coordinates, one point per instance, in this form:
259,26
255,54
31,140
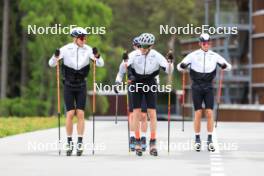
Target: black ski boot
197,144
138,148
143,143
69,148
79,149
152,147
210,145
132,142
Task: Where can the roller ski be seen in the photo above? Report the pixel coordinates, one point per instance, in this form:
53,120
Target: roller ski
138,148
79,149
69,148
210,145
197,144
132,142
143,143
152,147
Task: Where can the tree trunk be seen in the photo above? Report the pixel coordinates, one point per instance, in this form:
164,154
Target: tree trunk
23,73
4,57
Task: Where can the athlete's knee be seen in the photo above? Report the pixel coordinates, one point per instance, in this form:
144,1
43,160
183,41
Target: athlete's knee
152,113
198,113
143,117
209,113
80,114
70,114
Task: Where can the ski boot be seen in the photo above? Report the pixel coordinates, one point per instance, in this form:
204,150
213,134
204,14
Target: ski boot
79,149
197,144
132,143
138,147
152,147
210,145
143,143
69,148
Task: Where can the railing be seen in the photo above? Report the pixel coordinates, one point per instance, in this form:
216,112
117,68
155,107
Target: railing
231,18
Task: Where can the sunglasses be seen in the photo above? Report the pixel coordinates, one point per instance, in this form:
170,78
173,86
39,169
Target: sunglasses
82,38
205,43
145,46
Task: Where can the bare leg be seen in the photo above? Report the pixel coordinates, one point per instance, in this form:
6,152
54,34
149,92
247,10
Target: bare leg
80,123
197,121
210,120
69,124
153,122
144,122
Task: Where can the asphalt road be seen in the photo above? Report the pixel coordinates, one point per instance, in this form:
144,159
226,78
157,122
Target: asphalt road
240,151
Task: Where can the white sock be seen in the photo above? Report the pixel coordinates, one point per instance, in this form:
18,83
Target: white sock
143,134
197,134
209,133
132,133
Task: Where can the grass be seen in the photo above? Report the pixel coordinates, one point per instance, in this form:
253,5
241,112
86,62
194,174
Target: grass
14,125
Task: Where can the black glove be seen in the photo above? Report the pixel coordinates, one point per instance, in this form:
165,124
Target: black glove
116,90
183,65
170,57
223,66
125,56
96,53
57,52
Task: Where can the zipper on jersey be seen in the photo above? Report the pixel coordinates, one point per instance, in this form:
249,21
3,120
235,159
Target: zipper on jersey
204,63
77,57
145,65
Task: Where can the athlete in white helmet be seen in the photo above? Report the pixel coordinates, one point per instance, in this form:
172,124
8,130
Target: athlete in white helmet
202,64
76,57
143,125
143,66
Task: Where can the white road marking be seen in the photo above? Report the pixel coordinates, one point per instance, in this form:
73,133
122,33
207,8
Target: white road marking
216,162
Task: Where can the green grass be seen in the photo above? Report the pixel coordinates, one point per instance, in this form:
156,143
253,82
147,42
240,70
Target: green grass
13,125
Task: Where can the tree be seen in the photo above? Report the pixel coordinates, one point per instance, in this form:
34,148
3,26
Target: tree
41,84
4,64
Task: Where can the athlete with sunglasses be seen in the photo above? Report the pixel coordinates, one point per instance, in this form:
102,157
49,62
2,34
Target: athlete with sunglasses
202,64
76,57
143,66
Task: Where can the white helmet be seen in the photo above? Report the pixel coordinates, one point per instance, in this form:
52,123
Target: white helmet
146,39
204,37
78,31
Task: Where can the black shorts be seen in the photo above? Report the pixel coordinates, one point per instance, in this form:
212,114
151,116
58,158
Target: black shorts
203,93
143,103
139,95
75,98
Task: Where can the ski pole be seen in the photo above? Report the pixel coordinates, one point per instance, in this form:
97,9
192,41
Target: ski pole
127,102
219,95
125,57
57,52
94,96
116,110
183,98
170,58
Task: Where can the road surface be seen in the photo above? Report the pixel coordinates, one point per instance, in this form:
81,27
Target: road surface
240,151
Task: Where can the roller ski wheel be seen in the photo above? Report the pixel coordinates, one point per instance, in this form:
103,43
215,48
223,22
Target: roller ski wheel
69,149
132,142
143,143
79,149
197,144
138,148
197,147
210,147
152,148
